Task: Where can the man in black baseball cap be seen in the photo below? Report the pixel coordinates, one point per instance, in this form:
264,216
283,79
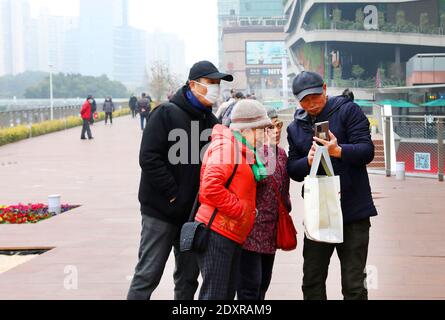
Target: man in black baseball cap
204,84
206,69
170,180
351,150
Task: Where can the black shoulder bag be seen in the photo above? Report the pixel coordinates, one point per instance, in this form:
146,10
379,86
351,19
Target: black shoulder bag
194,235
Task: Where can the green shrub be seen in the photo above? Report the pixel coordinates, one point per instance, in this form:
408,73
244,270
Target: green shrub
9,135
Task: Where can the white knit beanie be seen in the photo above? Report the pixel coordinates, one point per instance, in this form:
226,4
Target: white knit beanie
249,114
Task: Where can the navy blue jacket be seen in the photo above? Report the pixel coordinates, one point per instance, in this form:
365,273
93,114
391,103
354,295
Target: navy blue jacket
351,127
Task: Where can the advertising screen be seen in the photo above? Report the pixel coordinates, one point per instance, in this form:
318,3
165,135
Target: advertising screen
264,52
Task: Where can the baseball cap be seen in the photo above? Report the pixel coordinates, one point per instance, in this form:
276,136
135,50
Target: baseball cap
307,83
206,69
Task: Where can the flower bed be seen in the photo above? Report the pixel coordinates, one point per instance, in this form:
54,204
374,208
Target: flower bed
32,213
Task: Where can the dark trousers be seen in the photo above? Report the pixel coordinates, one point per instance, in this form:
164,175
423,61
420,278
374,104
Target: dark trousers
109,115
255,275
86,129
133,113
219,266
157,240
143,118
353,254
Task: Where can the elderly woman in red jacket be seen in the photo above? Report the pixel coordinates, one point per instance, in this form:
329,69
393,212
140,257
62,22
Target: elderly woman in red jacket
235,204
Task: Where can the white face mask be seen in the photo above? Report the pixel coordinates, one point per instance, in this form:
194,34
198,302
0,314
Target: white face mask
213,91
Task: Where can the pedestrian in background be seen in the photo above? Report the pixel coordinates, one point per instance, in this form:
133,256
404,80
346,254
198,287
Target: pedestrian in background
226,118
93,111
133,103
108,108
85,113
348,93
223,107
144,109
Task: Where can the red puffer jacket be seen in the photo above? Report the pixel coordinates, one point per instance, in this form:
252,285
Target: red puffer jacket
86,111
236,205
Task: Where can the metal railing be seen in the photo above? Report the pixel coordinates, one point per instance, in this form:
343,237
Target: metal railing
387,27
417,141
19,117
15,113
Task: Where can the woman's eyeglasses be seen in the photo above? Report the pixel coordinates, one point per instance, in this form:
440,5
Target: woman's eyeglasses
278,125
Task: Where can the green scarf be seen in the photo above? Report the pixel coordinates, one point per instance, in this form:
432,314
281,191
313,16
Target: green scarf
258,168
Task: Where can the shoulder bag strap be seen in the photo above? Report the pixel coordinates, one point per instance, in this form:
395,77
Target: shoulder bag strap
229,182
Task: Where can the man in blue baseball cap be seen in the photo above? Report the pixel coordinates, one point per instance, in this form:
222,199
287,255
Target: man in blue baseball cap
351,150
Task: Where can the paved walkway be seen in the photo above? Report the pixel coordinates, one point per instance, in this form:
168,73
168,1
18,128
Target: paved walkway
100,239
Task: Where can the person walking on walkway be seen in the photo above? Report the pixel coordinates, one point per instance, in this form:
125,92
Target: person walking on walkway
223,107
85,113
133,103
351,149
226,117
232,152
108,108
93,111
170,180
144,109
258,254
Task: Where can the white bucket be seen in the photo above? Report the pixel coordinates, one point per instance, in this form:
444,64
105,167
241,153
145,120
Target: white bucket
400,171
54,204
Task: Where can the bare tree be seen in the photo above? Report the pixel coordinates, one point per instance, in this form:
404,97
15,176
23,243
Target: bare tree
162,82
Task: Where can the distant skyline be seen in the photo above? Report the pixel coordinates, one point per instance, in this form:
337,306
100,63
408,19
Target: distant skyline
195,21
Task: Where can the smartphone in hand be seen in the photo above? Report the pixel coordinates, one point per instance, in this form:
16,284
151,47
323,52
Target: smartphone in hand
322,131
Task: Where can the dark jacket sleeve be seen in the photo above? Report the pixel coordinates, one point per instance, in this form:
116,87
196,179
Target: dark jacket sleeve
153,156
360,149
286,188
297,166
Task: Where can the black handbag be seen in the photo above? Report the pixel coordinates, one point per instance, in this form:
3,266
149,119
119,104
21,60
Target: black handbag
195,235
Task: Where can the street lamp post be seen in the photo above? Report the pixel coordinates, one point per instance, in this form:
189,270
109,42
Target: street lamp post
51,91
285,82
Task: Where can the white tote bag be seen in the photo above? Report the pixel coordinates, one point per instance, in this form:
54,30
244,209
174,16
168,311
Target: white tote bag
323,218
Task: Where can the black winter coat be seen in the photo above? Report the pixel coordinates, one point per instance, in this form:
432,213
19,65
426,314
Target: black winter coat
352,129
163,178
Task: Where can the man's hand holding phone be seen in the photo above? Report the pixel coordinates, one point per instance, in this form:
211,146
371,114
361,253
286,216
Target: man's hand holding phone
332,145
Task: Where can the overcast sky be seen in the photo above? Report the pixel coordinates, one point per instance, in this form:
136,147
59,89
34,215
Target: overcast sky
195,21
